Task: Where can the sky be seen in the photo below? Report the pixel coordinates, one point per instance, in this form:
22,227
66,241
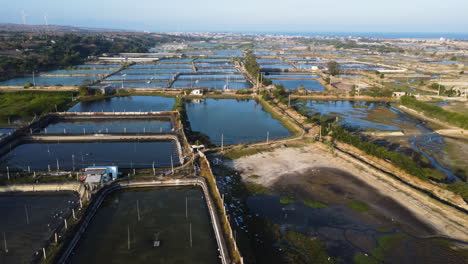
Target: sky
245,15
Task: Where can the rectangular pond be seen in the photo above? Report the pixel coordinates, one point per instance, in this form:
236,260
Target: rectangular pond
69,156
144,84
109,126
143,77
218,84
292,76
50,81
126,104
175,61
27,221
154,71
211,76
276,66
239,121
122,237
99,66
310,85
233,70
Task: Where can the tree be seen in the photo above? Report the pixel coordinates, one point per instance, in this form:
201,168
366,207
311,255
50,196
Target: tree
333,68
83,90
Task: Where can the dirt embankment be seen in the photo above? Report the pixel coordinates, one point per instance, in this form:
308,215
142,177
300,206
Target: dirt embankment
269,167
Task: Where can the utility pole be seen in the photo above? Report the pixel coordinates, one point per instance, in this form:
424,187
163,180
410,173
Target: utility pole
268,136
172,166
138,210
222,142
190,226
128,237
34,80
5,243
27,215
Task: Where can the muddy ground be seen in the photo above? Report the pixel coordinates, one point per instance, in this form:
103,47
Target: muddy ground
378,230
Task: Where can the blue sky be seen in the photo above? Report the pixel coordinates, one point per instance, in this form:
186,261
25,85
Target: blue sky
246,15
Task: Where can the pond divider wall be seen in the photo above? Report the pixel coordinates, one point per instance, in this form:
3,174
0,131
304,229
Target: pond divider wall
105,191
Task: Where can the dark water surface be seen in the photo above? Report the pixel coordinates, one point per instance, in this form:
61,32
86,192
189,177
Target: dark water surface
39,156
109,126
126,104
45,212
162,217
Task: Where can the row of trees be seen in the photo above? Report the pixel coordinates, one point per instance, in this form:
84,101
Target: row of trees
398,159
252,67
453,118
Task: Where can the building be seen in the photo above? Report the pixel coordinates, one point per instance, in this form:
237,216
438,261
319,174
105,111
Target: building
196,92
99,174
398,94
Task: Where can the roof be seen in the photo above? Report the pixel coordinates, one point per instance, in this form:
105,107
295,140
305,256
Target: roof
93,179
95,172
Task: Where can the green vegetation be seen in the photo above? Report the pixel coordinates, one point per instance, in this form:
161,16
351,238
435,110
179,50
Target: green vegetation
243,92
315,204
453,118
333,68
255,188
460,188
238,153
358,206
252,67
41,52
27,104
397,159
378,92
363,259
287,200
304,249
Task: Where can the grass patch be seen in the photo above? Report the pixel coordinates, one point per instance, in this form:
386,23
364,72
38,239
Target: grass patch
363,259
286,122
304,249
358,206
287,200
315,204
236,154
24,105
254,188
253,176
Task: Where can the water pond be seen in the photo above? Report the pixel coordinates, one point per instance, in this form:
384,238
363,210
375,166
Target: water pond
25,236
239,121
69,156
109,126
126,104
310,85
123,237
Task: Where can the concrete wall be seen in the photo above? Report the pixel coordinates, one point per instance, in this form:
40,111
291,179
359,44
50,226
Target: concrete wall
47,187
